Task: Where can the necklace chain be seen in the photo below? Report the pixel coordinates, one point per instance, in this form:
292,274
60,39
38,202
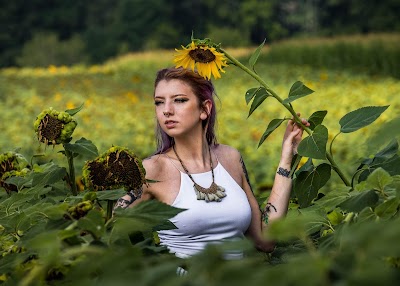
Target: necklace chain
187,171
214,192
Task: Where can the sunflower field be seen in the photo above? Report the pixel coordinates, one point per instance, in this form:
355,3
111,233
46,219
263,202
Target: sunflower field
342,225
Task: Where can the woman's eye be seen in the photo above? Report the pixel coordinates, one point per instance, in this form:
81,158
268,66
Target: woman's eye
157,103
180,100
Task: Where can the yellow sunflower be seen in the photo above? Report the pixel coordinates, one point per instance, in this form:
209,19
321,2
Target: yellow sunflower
207,60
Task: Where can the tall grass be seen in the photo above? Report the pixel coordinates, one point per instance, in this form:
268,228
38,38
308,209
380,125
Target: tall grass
375,54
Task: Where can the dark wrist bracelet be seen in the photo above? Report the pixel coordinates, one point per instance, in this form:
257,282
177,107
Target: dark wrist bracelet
283,172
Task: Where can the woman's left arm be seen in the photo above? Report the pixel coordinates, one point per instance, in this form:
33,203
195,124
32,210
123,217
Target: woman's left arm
278,200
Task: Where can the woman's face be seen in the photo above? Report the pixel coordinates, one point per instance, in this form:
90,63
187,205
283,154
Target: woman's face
177,108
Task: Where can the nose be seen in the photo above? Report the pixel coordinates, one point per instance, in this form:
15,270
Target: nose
167,110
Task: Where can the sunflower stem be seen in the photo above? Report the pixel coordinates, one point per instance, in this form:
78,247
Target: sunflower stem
70,159
288,107
110,207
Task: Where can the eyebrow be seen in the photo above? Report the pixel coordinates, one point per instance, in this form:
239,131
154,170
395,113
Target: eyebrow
173,96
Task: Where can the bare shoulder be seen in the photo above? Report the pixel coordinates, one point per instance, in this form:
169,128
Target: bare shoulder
154,166
230,159
226,153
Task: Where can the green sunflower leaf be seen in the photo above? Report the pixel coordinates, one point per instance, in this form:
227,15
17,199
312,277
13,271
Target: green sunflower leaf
358,201
83,147
297,91
251,93
275,123
254,57
361,117
110,194
316,118
307,184
314,146
259,97
388,208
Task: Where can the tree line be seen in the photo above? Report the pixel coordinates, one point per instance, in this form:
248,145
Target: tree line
43,32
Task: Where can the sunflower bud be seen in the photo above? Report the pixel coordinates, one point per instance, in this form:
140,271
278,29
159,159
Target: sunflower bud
80,210
12,165
54,127
116,168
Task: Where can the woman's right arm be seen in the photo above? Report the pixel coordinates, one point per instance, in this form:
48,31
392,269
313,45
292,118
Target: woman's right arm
128,199
133,197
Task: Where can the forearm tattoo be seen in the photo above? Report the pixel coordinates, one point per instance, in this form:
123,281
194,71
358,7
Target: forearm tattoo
267,210
283,172
245,172
133,196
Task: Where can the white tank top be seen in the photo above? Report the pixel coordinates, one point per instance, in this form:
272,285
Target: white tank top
206,222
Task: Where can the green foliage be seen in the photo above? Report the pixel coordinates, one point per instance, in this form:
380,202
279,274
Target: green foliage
342,234
375,54
46,49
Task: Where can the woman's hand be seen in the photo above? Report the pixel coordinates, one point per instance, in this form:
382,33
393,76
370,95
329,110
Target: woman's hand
291,139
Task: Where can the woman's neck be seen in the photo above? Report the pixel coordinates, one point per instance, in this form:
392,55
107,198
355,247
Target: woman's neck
194,153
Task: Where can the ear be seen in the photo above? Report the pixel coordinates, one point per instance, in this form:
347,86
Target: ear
206,109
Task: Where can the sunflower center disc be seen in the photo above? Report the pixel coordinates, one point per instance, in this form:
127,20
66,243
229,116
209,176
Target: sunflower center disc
202,56
50,128
119,169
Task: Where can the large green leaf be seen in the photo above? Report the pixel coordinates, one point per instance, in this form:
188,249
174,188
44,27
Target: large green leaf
316,118
391,165
83,147
359,118
388,208
142,217
379,179
110,194
259,98
366,215
358,201
332,199
314,146
383,134
275,123
252,92
93,222
254,57
307,184
49,176
19,182
295,225
297,91
387,152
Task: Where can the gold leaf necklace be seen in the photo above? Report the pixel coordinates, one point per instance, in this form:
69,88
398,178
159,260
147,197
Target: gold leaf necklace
213,193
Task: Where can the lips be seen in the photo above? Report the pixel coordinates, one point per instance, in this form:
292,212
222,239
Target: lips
170,124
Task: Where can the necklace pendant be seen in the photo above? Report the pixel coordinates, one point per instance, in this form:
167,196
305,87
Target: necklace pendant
213,193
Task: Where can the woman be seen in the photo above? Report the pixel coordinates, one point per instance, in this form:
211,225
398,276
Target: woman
207,179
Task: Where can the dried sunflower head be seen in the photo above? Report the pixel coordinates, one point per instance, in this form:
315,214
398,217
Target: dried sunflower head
54,127
12,164
116,168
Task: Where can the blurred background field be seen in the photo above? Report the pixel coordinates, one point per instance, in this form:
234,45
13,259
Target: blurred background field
105,54
118,106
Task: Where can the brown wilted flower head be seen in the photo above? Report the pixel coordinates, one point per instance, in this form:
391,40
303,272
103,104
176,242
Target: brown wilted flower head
116,168
53,127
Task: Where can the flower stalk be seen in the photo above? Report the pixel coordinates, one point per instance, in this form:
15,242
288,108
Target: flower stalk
71,171
253,74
